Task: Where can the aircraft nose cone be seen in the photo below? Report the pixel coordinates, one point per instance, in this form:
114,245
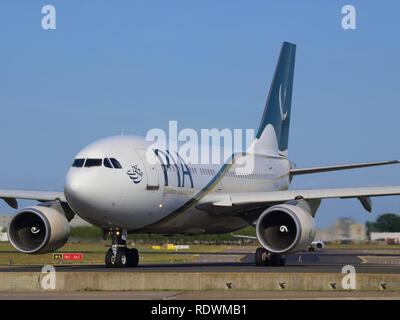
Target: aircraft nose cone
79,190
72,185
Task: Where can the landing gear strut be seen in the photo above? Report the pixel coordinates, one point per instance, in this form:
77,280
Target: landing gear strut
265,258
119,255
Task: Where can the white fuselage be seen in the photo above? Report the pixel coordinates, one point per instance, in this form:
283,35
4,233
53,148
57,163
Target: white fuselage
162,197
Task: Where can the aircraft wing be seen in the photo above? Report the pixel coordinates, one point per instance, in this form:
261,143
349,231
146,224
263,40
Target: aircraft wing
221,202
10,196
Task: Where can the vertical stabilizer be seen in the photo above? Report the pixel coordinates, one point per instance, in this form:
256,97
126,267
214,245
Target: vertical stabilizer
273,133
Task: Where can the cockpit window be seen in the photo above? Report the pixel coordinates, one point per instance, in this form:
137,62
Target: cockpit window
116,163
87,163
93,163
107,163
78,163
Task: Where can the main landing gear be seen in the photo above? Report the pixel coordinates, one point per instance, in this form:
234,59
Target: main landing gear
265,258
119,255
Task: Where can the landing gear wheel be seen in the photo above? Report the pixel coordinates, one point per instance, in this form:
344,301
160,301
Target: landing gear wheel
278,260
133,257
122,258
110,260
262,257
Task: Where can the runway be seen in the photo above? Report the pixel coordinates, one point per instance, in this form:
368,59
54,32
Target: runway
326,261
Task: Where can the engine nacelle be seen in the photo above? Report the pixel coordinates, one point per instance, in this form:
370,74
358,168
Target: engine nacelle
288,227
316,245
38,229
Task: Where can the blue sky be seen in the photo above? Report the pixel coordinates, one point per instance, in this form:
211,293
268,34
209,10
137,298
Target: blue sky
134,65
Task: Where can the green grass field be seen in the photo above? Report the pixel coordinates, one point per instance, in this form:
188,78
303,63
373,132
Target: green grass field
94,254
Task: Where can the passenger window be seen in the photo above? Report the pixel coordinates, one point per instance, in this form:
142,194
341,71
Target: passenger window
78,163
107,163
93,163
116,163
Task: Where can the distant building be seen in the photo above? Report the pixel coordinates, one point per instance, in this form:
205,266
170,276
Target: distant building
388,237
345,229
3,228
5,220
3,235
358,232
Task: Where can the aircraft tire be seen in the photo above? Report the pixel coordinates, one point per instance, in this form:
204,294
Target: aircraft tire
262,257
109,260
133,257
122,258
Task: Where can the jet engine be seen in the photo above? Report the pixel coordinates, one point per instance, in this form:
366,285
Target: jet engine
38,229
288,227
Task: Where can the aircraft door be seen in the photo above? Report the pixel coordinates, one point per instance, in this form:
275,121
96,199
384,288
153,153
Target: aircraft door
150,169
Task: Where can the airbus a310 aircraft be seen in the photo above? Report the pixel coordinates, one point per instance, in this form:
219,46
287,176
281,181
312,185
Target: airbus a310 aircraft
113,185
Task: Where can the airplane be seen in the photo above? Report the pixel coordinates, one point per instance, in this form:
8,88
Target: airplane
316,245
112,184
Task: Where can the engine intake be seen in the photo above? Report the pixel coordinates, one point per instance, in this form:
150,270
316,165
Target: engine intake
285,228
38,229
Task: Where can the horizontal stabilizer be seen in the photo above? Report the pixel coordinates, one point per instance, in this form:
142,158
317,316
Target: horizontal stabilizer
296,171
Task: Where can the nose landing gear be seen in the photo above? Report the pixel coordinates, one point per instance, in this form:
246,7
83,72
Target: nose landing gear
119,255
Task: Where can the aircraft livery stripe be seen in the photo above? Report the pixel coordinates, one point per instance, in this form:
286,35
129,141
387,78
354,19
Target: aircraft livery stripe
210,185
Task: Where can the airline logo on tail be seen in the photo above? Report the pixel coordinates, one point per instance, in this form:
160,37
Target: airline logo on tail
282,97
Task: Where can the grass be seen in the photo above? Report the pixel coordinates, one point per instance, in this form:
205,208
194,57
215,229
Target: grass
94,254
